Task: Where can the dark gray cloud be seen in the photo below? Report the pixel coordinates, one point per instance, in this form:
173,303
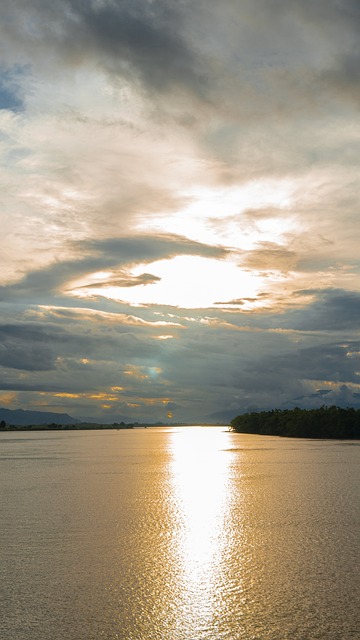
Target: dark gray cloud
132,39
166,44
326,362
26,348
343,79
342,396
28,357
150,248
111,253
62,348
331,310
213,362
142,37
310,310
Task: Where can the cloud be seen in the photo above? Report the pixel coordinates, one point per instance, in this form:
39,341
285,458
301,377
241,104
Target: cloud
167,46
25,348
139,133
331,310
217,361
271,257
96,255
141,39
326,362
123,281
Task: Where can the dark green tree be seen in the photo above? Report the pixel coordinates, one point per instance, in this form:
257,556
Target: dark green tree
325,422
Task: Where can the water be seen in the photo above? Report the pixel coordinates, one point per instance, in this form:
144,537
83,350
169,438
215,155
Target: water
178,534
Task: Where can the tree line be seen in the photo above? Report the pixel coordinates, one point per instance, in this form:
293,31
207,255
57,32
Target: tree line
325,422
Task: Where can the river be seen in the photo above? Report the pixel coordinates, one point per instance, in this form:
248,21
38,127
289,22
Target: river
190,533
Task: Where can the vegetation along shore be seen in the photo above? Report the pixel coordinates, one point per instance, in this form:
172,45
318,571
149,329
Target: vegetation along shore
326,422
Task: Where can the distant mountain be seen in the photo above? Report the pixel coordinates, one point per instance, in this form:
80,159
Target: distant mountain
24,418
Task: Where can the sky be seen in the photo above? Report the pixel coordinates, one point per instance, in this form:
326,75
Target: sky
179,207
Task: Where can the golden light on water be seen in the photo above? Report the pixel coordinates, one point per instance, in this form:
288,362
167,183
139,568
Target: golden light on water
200,476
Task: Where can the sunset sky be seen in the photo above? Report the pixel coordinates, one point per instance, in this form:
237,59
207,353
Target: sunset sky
179,206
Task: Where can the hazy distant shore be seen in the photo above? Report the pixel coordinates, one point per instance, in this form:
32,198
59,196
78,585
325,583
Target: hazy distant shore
64,427
84,426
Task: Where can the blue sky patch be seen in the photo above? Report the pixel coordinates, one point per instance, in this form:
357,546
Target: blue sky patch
10,90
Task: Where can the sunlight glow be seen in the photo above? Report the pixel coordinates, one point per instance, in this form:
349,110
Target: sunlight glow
233,200
89,396
200,476
201,489
189,282
143,373
226,214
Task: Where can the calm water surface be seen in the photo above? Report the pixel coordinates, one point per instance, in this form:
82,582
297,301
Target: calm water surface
178,534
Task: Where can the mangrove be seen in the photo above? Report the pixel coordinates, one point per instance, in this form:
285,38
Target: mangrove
325,422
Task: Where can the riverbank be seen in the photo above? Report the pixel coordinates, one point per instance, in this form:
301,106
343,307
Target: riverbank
326,422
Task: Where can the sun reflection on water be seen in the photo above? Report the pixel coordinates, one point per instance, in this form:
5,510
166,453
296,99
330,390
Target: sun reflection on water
200,476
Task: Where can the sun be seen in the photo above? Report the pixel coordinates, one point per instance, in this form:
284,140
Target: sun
188,282
240,219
